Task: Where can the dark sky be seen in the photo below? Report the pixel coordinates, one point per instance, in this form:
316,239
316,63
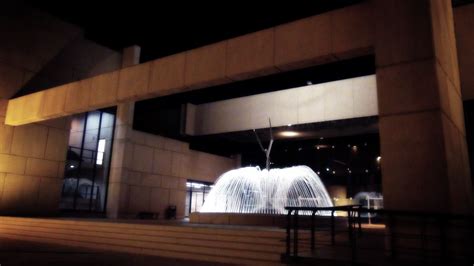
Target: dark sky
163,29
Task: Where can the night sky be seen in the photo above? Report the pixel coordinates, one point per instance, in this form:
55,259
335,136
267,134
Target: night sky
164,29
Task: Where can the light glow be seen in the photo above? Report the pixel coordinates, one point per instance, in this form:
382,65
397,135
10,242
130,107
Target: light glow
289,134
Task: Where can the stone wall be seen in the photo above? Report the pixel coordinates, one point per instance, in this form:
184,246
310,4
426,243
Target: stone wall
32,159
149,172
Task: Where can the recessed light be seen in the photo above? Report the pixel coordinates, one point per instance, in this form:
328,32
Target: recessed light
289,134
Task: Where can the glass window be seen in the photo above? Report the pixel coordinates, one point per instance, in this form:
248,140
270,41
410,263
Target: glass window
88,159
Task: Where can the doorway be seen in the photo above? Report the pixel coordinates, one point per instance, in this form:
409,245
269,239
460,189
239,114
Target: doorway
196,193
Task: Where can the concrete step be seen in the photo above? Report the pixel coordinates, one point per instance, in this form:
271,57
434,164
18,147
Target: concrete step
220,235
149,234
227,245
151,240
208,247
123,225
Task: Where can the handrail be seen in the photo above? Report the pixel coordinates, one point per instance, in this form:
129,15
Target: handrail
444,222
350,213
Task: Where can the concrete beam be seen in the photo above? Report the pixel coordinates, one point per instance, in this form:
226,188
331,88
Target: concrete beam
318,39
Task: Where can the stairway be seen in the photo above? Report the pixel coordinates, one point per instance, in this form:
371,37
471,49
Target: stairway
230,244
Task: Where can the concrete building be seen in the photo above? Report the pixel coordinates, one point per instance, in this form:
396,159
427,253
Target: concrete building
85,129
85,99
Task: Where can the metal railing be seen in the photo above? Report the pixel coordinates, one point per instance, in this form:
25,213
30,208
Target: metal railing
400,236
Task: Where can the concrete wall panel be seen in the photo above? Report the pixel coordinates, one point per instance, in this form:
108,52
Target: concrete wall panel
167,75
304,42
335,100
133,82
251,55
205,66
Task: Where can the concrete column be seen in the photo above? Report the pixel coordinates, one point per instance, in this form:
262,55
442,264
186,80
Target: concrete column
119,190
423,143
131,56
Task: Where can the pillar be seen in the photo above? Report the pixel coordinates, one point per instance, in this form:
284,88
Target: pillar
118,190
423,143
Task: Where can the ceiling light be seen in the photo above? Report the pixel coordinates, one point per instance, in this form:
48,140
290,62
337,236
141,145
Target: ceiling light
321,146
289,134
289,125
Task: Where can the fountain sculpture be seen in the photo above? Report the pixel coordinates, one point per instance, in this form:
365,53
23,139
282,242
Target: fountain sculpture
268,191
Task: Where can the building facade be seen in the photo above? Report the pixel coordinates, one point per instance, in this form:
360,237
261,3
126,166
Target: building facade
418,95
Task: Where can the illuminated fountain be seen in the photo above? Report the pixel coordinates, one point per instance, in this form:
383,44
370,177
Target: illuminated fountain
268,191
251,190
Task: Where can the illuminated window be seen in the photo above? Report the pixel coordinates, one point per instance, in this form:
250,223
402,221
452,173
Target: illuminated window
100,152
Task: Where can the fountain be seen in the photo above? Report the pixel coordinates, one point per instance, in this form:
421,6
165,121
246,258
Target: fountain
251,190
268,191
